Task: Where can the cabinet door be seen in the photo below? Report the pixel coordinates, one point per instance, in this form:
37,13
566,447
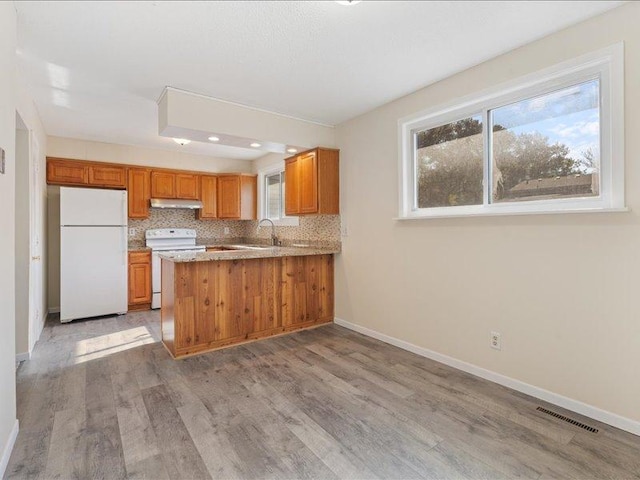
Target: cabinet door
139,192
291,187
139,277
107,176
248,197
308,175
163,185
208,196
64,172
229,196
187,186
307,289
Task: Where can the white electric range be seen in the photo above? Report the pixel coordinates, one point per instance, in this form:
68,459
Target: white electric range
167,240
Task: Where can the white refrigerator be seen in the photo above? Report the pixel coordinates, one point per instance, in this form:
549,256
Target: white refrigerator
93,253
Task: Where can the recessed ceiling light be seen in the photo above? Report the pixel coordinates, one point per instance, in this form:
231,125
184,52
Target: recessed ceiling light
347,2
182,141
256,145
292,150
214,139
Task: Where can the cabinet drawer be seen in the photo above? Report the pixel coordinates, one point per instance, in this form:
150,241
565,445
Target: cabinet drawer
139,257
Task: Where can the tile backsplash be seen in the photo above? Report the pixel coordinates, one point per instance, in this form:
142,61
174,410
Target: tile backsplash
312,228
324,228
179,218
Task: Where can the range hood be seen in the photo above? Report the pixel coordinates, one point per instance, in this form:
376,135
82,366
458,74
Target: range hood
175,203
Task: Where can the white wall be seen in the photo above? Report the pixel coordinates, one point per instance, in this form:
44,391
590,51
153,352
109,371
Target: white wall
125,154
8,422
562,289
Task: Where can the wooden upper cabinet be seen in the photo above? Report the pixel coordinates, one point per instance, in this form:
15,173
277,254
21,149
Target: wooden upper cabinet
248,197
292,186
229,196
174,185
139,192
187,186
67,172
163,184
107,176
232,196
312,183
139,278
308,181
208,196
237,197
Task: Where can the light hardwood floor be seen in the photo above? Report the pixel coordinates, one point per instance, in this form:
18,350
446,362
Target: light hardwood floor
103,399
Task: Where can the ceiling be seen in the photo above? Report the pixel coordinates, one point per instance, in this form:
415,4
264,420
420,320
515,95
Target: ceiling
96,69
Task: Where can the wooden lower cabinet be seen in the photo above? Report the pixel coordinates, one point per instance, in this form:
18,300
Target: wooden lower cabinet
139,280
209,305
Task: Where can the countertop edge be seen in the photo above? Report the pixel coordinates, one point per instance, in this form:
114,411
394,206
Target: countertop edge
273,252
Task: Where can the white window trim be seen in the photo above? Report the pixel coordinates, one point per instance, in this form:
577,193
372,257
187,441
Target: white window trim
262,208
606,64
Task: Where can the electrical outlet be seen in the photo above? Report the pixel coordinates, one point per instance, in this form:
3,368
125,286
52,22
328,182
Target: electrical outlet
345,231
495,340
132,232
226,230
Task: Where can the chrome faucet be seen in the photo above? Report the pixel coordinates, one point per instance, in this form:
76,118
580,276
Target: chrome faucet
274,238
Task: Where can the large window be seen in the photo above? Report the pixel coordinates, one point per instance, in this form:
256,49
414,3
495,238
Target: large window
547,143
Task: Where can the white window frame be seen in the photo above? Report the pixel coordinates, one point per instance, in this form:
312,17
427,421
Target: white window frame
285,221
607,65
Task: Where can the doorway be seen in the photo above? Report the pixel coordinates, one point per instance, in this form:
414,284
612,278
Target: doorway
28,242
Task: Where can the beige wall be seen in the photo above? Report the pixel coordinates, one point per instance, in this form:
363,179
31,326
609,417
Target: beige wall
126,154
53,249
22,242
8,101
561,289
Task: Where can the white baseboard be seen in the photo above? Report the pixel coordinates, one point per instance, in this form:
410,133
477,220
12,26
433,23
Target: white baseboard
577,406
8,448
54,310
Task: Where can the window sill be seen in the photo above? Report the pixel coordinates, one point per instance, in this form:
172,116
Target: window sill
497,213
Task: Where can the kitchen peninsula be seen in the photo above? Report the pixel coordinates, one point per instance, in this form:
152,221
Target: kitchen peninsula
216,299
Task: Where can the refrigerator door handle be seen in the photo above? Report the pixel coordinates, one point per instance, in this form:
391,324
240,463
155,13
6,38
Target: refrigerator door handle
125,210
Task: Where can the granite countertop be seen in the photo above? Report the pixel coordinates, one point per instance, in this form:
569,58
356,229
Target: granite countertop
248,252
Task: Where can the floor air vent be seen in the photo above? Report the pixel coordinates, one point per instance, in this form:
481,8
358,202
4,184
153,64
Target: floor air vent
568,420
